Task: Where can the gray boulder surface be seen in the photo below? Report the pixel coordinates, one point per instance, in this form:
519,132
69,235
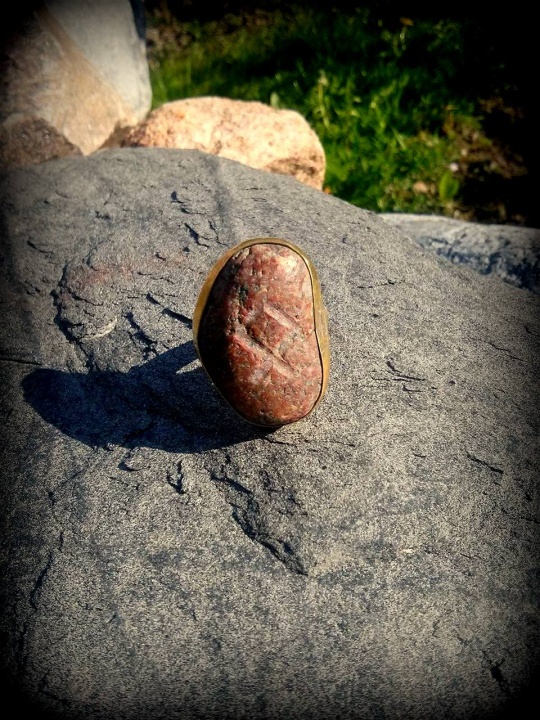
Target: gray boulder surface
509,252
162,559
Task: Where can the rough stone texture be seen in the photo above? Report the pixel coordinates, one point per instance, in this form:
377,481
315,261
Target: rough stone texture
279,141
73,72
26,140
505,251
257,338
162,559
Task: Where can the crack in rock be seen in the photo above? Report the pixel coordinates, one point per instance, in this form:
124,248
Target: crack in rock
247,512
399,375
148,345
479,461
195,236
188,322
176,481
40,580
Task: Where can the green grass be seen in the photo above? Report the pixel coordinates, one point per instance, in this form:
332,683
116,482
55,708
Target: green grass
399,104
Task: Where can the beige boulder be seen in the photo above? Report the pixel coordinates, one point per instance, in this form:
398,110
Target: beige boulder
250,132
72,74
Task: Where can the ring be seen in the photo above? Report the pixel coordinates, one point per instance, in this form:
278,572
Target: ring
260,329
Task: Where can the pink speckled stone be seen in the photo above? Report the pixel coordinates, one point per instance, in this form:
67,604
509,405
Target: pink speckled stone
257,336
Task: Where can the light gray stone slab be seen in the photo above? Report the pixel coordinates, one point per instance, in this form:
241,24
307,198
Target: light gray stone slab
509,252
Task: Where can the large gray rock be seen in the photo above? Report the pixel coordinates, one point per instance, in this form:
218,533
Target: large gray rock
508,252
164,560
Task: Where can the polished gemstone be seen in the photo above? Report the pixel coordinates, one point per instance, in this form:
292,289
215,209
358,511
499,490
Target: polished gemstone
261,332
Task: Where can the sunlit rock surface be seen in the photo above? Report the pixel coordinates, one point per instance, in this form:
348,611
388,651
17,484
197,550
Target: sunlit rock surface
162,558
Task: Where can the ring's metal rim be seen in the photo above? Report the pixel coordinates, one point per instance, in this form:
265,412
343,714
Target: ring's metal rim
320,313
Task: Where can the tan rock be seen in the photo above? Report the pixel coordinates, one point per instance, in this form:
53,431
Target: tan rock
255,134
27,140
